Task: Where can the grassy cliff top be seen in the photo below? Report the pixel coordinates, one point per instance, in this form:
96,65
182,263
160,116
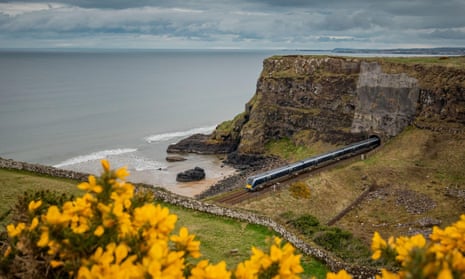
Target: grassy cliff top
444,61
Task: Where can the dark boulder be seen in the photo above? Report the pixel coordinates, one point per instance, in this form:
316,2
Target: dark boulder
194,174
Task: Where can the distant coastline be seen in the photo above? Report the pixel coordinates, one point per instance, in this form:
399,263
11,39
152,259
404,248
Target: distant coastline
397,51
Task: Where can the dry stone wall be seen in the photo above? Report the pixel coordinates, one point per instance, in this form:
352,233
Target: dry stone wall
41,169
332,262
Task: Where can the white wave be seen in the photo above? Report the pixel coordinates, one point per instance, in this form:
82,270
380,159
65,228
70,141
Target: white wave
142,164
169,136
94,156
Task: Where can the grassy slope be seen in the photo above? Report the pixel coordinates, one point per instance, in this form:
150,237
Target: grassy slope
14,183
218,236
428,165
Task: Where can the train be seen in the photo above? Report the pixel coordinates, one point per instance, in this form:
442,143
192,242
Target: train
256,181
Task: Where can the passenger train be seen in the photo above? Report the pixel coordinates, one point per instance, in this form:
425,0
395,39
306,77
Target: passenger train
254,182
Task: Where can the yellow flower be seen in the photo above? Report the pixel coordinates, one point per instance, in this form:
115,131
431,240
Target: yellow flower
55,264
121,252
377,246
445,273
43,241
14,231
34,224
99,231
458,261
289,264
204,270
91,186
156,216
184,241
404,245
121,173
385,274
342,274
33,205
260,258
105,165
246,270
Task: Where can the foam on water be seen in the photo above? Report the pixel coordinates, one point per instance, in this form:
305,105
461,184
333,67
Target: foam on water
180,134
94,156
142,164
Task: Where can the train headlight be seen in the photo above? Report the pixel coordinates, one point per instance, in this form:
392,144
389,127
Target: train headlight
248,186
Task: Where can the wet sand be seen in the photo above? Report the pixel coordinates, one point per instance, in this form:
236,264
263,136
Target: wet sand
215,170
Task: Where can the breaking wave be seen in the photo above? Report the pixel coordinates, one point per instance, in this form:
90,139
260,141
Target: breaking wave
173,135
94,156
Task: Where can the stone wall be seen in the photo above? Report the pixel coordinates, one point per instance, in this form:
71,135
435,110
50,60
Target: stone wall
41,169
332,262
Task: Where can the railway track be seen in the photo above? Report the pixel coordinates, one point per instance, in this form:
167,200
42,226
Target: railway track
240,195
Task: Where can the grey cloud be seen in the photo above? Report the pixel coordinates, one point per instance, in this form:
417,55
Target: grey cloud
445,34
294,23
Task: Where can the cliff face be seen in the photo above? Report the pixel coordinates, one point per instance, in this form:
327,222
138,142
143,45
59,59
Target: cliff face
340,100
385,103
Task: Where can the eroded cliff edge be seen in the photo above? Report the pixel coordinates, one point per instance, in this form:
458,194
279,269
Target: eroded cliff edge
339,100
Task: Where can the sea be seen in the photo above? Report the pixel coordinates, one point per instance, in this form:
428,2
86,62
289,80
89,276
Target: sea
71,108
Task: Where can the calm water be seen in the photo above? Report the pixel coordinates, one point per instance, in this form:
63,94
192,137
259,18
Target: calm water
70,109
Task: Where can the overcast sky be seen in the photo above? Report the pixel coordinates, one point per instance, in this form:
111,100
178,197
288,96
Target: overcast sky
249,24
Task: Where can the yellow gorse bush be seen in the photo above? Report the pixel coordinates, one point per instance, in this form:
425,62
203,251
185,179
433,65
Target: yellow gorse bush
108,233
443,256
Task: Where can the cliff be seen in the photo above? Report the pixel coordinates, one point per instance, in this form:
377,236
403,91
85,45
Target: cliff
339,100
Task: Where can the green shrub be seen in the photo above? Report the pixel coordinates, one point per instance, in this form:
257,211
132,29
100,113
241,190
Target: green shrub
332,239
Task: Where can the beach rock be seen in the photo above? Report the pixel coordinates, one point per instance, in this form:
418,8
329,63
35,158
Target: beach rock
194,174
202,144
175,158
243,161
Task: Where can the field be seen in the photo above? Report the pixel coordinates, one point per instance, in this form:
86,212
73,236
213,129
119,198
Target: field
221,238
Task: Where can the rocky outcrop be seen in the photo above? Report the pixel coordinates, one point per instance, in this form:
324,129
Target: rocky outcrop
340,100
202,144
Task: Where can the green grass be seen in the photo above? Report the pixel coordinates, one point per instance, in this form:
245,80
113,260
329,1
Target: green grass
286,149
458,61
14,183
221,238
447,61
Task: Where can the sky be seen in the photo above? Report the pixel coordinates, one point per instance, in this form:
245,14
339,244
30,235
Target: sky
232,24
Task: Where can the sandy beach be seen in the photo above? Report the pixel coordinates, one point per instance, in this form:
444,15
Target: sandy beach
165,177
215,170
